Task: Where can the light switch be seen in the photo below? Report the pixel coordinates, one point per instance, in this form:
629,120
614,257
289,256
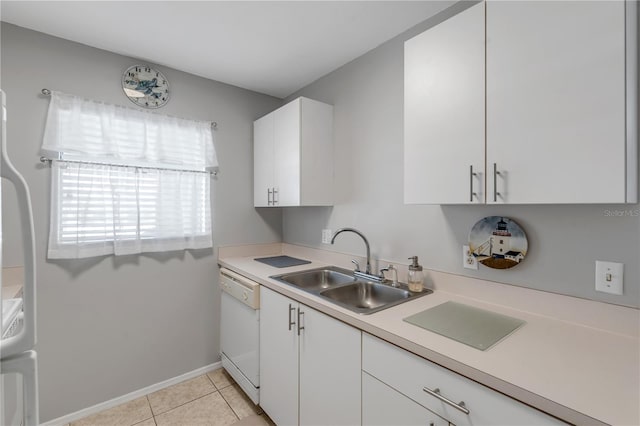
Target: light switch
609,277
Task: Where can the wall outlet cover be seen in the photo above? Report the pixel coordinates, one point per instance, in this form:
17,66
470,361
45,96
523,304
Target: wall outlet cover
326,236
469,261
609,277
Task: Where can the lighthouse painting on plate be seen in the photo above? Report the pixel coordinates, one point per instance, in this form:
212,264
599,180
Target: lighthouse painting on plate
498,242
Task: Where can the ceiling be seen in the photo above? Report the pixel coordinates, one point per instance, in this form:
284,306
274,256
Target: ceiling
272,47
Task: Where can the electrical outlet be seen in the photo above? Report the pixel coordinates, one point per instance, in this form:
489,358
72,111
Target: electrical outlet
469,261
326,236
609,277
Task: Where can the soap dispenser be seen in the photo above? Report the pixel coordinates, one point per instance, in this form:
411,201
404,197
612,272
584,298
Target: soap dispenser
416,276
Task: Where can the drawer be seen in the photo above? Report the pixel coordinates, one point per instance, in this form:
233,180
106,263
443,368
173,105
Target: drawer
384,406
410,374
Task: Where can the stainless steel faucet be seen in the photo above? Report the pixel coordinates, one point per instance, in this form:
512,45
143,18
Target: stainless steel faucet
366,243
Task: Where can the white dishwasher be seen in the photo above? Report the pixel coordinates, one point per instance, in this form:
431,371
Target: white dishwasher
240,331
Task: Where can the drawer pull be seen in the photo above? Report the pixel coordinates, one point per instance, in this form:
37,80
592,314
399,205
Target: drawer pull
436,393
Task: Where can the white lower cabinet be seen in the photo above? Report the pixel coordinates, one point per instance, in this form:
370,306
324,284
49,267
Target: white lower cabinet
384,406
412,376
310,365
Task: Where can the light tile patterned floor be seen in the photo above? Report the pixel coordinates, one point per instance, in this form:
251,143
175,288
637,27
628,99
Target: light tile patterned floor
208,400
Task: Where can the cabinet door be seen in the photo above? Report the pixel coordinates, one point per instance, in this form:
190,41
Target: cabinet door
278,357
556,101
316,153
384,406
330,371
263,160
287,154
444,112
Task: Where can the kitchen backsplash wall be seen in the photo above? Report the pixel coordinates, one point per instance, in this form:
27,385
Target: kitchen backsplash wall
564,240
114,314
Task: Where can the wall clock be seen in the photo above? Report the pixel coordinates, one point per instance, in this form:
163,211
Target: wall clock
145,86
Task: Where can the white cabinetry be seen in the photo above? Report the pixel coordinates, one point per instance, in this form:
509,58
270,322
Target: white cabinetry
293,155
310,365
556,101
444,112
384,406
412,376
561,105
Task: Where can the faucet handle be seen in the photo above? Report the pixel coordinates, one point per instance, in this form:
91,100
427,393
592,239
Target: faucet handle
392,268
355,262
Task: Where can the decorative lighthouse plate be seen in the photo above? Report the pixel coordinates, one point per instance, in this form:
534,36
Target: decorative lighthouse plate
498,242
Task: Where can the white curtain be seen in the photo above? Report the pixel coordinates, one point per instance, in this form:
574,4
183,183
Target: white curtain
100,206
96,131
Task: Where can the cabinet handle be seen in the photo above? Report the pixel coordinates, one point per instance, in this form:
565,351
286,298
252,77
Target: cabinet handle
291,323
471,175
300,327
269,196
275,201
436,393
495,182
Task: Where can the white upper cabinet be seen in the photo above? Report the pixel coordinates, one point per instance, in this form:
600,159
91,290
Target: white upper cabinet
293,155
556,101
561,105
444,112
263,164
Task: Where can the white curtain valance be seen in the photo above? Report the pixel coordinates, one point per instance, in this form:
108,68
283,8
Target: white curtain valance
96,131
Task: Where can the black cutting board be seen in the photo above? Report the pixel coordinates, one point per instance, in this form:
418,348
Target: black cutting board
282,261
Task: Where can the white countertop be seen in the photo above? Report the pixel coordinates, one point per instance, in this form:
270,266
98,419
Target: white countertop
12,278
576,359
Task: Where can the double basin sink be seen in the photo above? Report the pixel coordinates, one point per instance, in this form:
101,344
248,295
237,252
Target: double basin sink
341,287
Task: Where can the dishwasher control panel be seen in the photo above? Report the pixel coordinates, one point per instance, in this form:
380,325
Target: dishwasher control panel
241,288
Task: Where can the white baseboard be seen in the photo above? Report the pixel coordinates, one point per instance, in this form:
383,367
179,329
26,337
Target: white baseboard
131,396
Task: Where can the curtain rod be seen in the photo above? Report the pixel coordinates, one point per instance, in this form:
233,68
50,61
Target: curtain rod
47,92
44,159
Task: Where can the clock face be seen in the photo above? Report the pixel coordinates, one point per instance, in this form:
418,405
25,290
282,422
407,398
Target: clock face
145,86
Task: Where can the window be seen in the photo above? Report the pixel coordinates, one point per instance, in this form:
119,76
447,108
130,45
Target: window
126,181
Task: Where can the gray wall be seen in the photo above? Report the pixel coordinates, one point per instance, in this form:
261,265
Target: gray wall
112,325
564,240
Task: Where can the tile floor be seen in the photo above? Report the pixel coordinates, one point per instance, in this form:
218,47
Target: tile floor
208,400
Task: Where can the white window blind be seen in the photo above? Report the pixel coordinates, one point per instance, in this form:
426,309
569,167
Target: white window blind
135,181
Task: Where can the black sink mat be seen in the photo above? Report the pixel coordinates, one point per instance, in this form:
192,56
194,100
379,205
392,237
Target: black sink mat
282,261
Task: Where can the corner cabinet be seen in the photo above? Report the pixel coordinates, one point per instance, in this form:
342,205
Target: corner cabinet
310,364
293,155
524,116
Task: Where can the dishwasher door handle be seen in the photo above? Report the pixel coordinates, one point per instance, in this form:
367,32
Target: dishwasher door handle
291,323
